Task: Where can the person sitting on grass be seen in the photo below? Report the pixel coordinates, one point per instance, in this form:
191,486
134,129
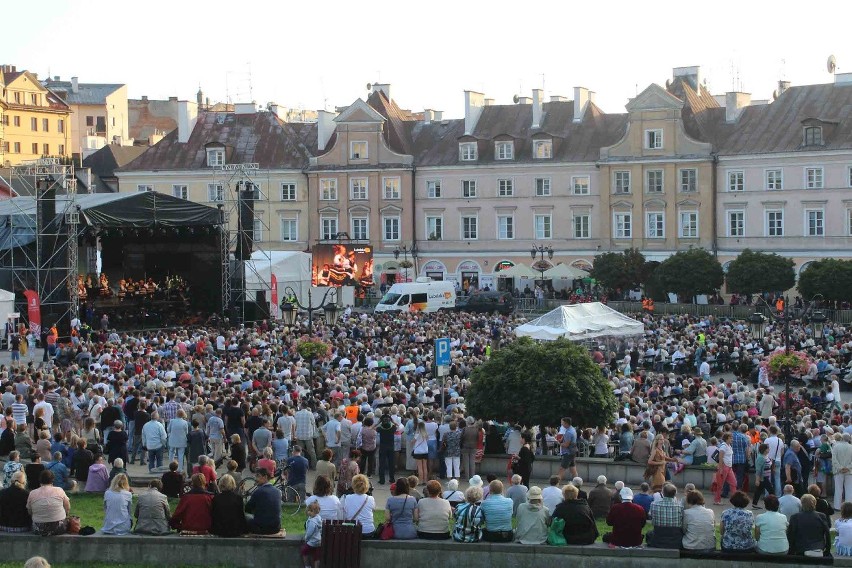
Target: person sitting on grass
83,459
14,516
49,507
118,501
194,513
580,526
229,519
98,479
627,521
117,468
61,474
311,549
173,481
433,514
265,504
497,510
205,467
12,466
533,519
33,471
152,511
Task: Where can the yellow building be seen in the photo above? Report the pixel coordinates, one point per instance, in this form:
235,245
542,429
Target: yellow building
35,121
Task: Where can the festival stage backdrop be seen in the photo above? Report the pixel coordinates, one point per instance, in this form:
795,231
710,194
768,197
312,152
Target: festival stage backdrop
342,265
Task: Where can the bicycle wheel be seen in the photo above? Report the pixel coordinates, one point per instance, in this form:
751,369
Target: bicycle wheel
247,487
290,497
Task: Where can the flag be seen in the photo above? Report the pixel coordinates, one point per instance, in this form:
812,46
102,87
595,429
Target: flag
33,311
274,308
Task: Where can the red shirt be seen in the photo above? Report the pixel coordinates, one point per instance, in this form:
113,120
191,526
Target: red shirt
627,520
194,513
206,470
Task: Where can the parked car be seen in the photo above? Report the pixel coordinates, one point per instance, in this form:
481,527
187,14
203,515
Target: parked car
486,302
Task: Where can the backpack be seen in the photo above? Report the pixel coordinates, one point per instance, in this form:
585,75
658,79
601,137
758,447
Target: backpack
467,527
555,534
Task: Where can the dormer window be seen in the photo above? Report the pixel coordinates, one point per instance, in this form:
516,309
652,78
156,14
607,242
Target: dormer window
467,151
504,150
654,139
358,150
215,156
543,149
813,136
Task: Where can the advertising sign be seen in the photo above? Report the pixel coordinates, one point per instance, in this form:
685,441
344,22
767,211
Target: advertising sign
342,265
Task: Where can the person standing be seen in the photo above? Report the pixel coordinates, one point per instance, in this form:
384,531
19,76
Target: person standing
567,449
386,432
216,435
725,473
155,439
841,465
741,447
793,467
178,430
332,433
306,430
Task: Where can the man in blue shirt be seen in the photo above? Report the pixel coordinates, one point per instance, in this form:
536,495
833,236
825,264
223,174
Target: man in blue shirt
297,471
567,448
793,467
265,503
742,452
497,511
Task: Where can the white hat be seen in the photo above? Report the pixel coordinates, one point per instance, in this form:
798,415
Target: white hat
626,494
475,481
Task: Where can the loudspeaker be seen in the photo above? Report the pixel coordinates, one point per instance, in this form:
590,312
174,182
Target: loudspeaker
245,225
262,305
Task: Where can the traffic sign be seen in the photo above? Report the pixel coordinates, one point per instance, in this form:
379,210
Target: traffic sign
442,351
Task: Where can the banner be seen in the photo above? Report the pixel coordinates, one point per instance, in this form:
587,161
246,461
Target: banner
274,308
33,311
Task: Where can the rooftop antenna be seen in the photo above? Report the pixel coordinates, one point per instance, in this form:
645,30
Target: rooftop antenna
251,94
831,64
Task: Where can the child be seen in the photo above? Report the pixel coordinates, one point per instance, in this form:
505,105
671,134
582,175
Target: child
313,536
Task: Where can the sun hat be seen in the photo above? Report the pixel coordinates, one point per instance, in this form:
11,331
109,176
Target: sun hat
534,494
475,481
626,494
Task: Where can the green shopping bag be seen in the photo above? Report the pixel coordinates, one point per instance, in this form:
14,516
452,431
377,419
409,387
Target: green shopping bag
555,534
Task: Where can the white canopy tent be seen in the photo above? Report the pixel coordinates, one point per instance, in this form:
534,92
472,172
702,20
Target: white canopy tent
581,321
519,271
565,272
291,268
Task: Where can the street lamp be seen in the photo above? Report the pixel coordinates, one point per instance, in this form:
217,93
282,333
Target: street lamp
290,310
540,251
818,320
757,323
404,250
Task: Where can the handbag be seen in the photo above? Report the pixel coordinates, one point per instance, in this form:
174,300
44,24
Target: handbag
385,530
73,525
715,456
555,534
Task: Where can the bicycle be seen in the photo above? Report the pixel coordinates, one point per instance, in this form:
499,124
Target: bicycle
289,495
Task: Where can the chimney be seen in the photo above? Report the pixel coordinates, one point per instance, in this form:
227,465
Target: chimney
245,108
56,77
75,86
384,88
537,107
558,99
325,128
735,102
187,116
524,100
144,98
172,99
692,75
582,97
438,115
489,102
473,103
783,86
277,110
428,116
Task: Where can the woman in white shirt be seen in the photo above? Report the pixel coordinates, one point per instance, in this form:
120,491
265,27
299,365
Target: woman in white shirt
699,529
324,495
770,529
843,526
359,506
601,441
420,450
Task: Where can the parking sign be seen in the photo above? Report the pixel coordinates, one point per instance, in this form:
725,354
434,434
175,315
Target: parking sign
442,351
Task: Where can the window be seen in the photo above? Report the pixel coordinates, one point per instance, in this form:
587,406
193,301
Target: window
505,227
180,191
623,226
289,229
257,230
505,188
5,147
689,181
62,149
358,188
45,124
582,225
656,227
35,147
504,150
543,227
215,192
4,120
391,188
813,136
542,187
358,150
215,157
736,181
468,188
434,228
34,124
16,121
328,189
542,149
815,222
360,229
736,223
849,222
654,181
18,98
391,228
288,191
142,188
654,139
34,99
775,223
467,151
813,178
433,189
470,227
45,149
17,147
688,222
580,185
328,228
90,121
773,180
622,182
60,126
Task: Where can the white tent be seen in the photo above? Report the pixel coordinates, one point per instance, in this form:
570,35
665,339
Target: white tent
7,307
291,268
565,272
519,271
581,321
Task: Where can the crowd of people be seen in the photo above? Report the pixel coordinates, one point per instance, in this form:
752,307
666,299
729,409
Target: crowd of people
192,401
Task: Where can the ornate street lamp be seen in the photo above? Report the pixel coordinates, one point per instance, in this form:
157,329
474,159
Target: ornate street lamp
757,323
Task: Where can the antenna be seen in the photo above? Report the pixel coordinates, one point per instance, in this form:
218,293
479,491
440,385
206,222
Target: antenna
251,94
369,86
515,99
831,64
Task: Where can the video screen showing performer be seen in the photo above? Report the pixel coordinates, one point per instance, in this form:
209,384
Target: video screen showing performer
342,265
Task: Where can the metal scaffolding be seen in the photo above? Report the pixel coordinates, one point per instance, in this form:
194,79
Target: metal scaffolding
42,252
232,185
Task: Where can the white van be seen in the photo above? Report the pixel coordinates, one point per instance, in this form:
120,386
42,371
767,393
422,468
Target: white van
421,296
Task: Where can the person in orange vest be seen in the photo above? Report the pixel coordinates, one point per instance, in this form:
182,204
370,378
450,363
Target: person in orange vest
651,305
779,304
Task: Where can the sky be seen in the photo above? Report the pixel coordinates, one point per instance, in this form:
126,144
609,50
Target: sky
322,54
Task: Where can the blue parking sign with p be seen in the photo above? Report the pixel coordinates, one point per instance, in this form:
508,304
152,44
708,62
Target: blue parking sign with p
442,351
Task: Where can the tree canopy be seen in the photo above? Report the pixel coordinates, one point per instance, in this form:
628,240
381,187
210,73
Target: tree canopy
619,271
689,273
539,383
830,277
753,272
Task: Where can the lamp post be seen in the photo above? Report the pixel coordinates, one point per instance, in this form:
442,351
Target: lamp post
757,323
540,251
404,250
290,311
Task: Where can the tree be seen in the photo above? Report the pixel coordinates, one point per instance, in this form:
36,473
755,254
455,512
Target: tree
753,272
619,271
539,383
689,273
830,277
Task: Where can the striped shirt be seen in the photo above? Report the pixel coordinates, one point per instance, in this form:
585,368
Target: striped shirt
305,425
498,513
19,412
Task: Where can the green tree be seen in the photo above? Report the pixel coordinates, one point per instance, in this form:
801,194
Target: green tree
619,271
754,272
538,383
830,277
689,273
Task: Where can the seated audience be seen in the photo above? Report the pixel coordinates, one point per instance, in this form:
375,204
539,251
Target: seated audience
152,511
173,481
667,518
229,519
264,505
433,514
193,514
497,510
468,517
533,519
399,511
736,525
358,506
118,501
456,497
808,532
323,494
770,529
699,524
627,520
49,507
788,503
98,479
552,494
600,498
516,492
580,525
843,526
14,515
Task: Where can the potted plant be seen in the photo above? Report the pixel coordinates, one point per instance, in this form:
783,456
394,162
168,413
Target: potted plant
780,364
312,349
405,264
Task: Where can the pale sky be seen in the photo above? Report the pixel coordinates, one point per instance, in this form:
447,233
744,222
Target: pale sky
323,53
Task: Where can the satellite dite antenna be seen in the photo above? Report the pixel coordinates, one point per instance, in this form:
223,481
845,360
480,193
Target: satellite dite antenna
831,64
516,99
